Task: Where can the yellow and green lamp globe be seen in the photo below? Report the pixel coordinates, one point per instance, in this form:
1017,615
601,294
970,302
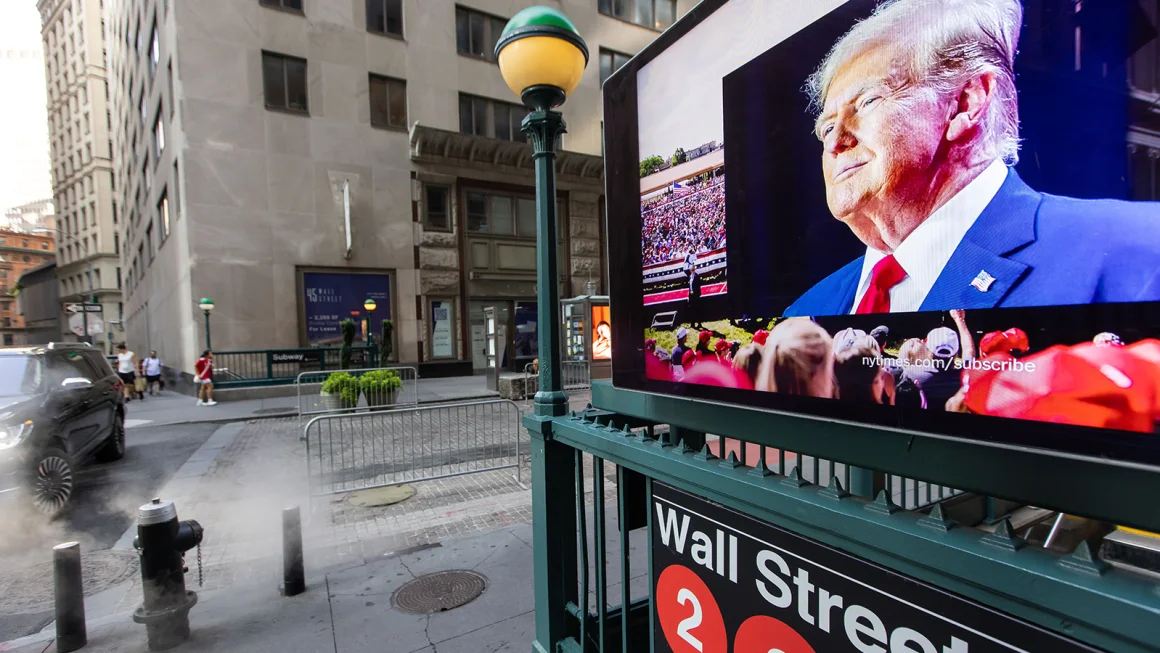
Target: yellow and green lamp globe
541,56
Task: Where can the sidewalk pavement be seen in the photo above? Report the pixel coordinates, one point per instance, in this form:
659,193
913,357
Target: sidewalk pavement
353,609
174,408
236,486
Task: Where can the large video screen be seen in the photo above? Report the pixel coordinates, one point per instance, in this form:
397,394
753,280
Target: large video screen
939,215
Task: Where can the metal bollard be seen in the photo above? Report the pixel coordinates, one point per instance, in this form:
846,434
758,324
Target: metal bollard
162,542
69,592
293,571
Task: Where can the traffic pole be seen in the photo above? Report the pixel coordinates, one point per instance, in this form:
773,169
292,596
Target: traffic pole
69,595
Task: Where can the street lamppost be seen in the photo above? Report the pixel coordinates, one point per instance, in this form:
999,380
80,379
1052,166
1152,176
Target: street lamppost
88,273
206,306
370,307
542,57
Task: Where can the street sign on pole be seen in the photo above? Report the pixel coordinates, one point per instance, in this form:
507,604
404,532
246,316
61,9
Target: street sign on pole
87,308
78,325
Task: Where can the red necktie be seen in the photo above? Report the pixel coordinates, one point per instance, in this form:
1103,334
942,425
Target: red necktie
886,274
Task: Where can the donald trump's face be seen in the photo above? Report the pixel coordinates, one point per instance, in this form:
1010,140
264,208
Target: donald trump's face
881,139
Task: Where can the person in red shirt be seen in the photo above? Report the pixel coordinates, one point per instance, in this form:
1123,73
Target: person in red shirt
203,376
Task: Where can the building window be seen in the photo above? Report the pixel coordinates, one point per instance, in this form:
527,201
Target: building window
437,213
501,215
176,190
158,136
284,79
385,16
154,53
117,244
44,246
149,241
491,118
388,102
442,328
163,213
169,81
289,5
655,14
476,33
610,62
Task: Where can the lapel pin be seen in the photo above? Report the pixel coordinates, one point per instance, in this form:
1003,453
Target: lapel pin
982,281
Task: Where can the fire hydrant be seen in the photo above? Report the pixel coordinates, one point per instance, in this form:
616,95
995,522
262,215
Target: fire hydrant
161,543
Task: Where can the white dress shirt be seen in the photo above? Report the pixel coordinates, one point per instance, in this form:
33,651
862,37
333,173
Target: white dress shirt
925,252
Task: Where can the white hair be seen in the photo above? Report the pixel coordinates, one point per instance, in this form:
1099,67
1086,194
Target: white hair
940,45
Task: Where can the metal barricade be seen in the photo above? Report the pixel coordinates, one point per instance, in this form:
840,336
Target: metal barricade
311,401
378,449
531,381
576,375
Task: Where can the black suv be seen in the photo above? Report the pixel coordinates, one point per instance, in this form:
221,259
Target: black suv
60,406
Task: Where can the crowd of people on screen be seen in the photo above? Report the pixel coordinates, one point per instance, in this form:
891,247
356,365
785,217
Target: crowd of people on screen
1103,383
687,219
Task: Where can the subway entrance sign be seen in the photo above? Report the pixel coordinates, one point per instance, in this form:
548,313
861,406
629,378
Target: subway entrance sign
726,582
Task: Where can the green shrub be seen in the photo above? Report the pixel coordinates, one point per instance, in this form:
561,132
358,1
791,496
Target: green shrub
343,384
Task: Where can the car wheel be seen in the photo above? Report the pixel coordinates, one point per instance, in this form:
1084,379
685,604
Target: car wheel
114,447
52,482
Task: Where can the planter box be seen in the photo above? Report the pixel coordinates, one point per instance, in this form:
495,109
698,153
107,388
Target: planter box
334,403
381,399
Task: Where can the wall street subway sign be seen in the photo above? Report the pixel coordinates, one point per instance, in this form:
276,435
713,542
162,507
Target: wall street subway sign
728,583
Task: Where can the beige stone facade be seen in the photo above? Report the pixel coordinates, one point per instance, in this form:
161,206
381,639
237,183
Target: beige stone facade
252,171
87,230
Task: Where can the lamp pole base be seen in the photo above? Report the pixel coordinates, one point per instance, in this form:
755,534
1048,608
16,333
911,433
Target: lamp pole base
549,403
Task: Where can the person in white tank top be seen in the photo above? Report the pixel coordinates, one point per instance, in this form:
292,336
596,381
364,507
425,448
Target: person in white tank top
127,370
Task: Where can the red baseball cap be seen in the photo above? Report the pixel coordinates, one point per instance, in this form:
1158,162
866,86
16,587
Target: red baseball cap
1004,342
688,357
1086,385
721,345
704,336
760,336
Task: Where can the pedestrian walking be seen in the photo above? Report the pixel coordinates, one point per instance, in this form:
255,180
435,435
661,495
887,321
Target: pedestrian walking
127,370
139,381
153,373
203,376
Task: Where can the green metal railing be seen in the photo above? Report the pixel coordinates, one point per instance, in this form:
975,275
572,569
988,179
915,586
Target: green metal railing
282,366
594,579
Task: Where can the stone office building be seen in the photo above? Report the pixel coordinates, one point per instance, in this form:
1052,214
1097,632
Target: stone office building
83,188
289,158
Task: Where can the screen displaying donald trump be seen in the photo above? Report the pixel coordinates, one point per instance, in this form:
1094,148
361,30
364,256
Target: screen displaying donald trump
933,206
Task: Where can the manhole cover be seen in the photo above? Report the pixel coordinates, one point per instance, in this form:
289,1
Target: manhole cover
29,590
380,496
274,411
439,592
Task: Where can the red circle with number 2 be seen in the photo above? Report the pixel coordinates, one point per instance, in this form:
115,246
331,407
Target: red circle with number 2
764,634
689,615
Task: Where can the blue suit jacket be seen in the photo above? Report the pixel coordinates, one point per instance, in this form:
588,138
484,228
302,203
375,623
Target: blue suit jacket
1042,250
